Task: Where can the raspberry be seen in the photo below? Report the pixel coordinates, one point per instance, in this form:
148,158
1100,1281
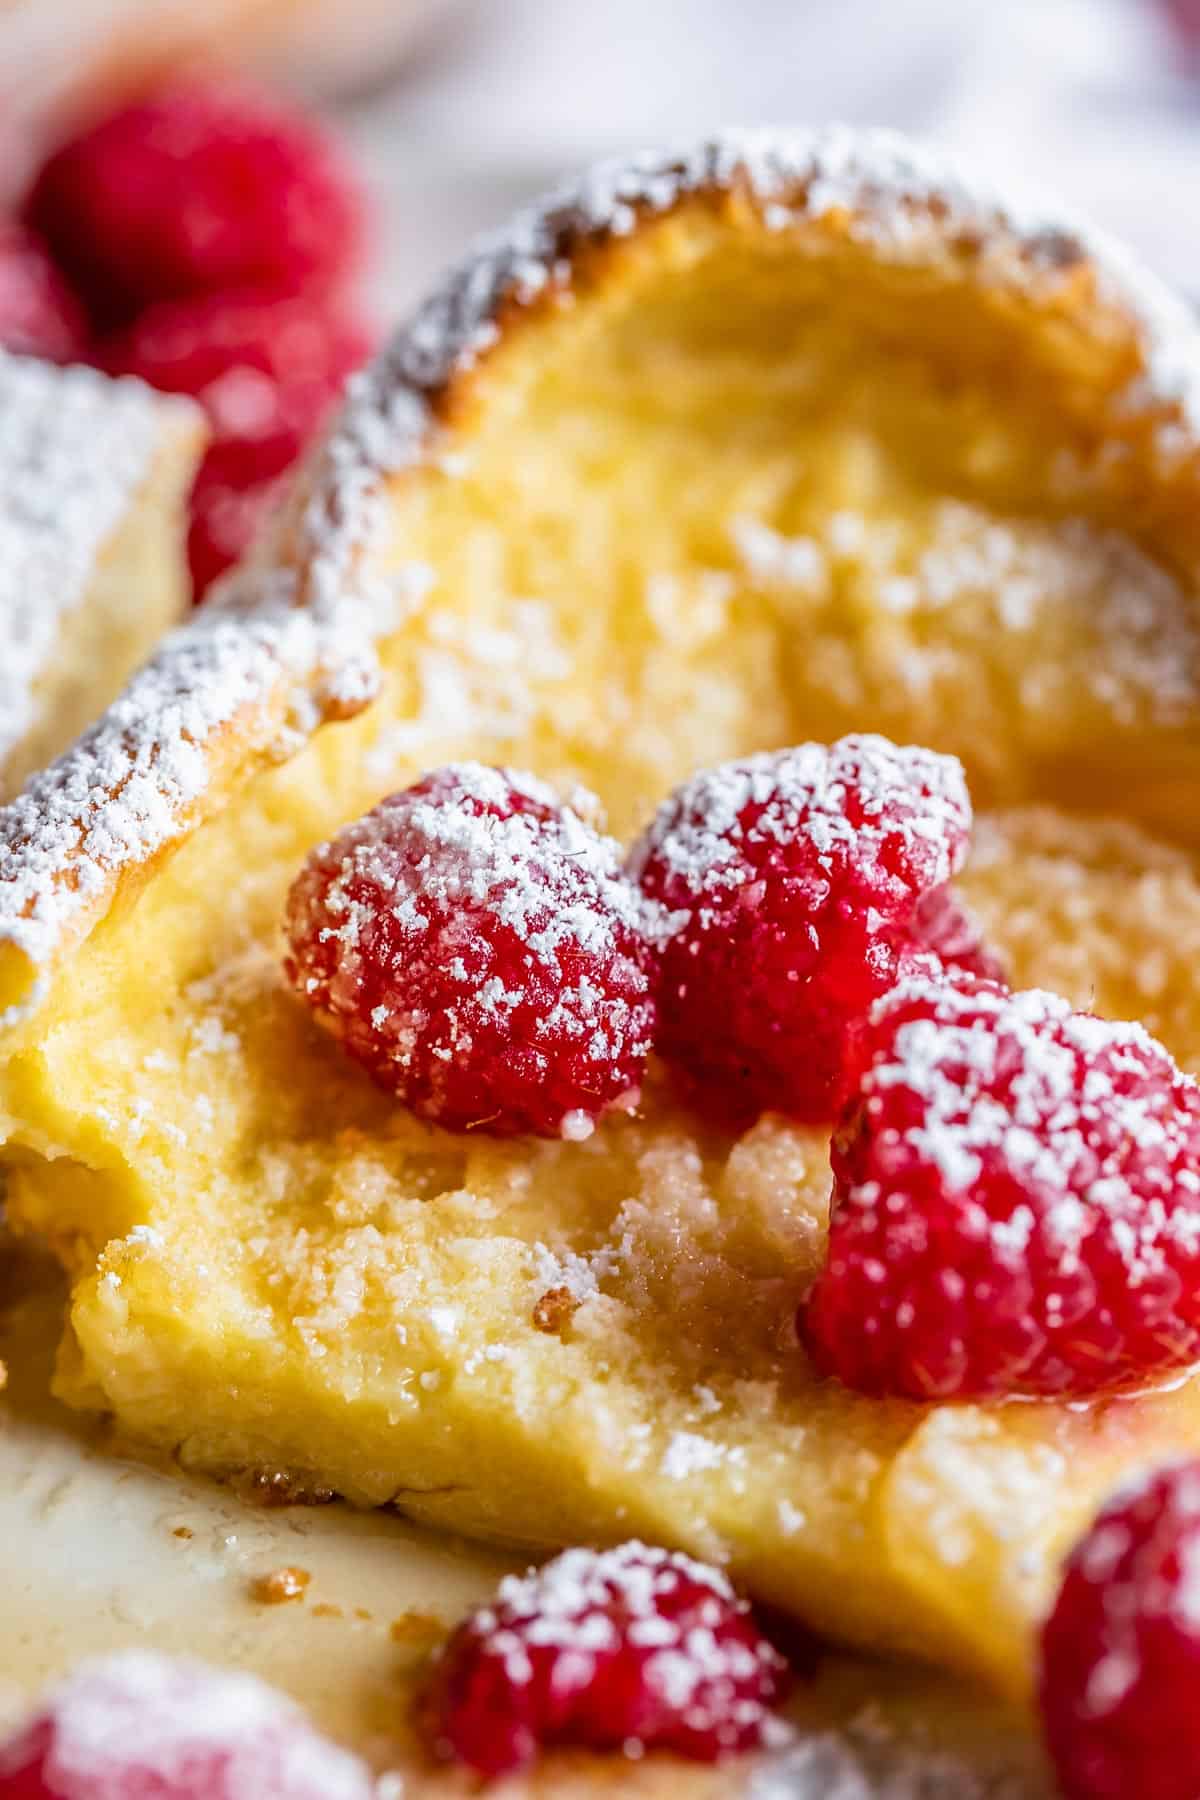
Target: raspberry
1120,1652
1016,1205
200,187
792,880
136,1726
266,369
39,315
224,523
475,946
1185,16
942,929
634,1647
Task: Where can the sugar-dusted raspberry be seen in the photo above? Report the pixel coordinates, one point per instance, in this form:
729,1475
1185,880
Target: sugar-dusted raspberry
138,1726
1016,1205
1120,1652
202,186
791,881
635,1647
474,944
39,315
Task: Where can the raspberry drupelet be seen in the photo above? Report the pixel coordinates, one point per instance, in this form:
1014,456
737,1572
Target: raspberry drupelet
1120,1651
476,947
139,1726
1016,1205
633,1648
792,882
200,186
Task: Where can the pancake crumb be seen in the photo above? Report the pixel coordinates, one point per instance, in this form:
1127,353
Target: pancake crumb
287,1583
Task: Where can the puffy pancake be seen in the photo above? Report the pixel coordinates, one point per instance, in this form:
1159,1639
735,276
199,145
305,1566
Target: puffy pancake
772,442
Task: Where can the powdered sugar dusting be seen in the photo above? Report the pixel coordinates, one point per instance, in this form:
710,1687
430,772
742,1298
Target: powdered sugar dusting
1029,584
1063,1073
492,862
858,793
138,1723
561,1592
74,448
131,783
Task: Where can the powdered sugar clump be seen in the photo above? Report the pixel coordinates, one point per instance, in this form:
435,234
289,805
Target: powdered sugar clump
559,1594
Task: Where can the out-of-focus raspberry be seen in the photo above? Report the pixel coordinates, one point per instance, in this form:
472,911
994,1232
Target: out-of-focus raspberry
1120,1652
138,1726
224,523
268,371
203,186
941,927
39,314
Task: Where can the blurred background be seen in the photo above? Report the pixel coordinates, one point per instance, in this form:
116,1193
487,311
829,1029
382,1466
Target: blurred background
458,108
1097,101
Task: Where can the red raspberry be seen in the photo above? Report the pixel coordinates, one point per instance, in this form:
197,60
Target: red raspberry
633,1647
39,315
1120,1652
1185,15
1016,1205
224,523
137,1726
266,370
942,929
792,881
200,187
475,946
